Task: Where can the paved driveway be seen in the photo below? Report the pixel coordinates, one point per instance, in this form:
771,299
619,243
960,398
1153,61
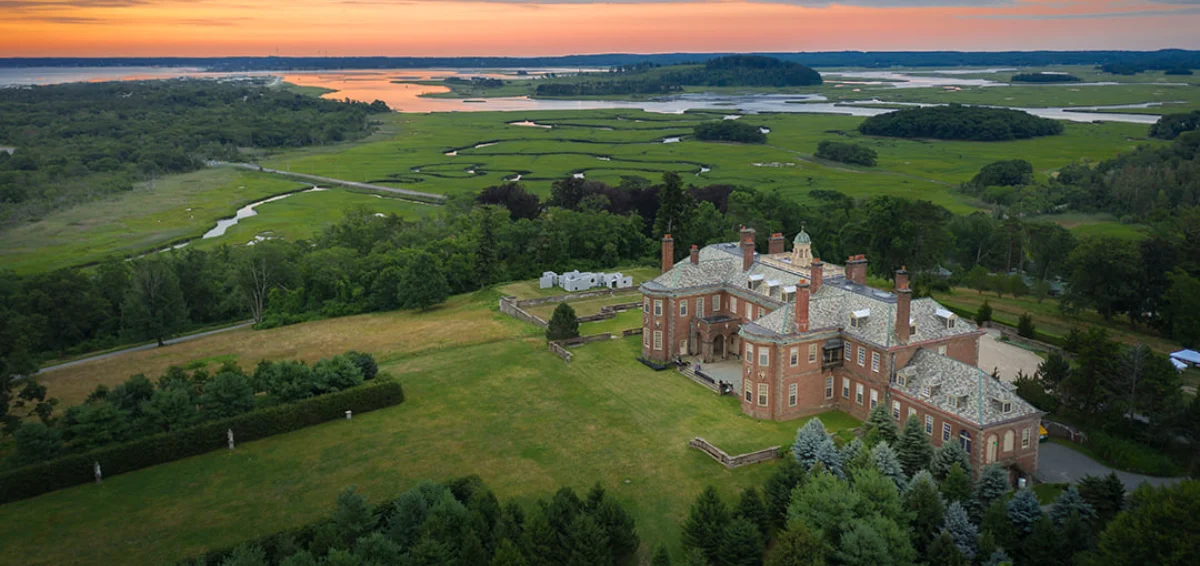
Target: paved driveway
1059,464
1007,358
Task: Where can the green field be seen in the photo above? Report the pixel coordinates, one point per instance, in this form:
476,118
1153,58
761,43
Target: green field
603,417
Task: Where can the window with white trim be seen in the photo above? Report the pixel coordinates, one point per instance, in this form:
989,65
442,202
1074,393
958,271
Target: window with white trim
762,395
945,432
862,356
874,398
875,362
749,310
646,339
646,305
1006,407
896,410
792,394
749,392
1008,440
657,339
845,388
761,312
657,308
749,352
764,357
716,300
812,353
794,357
683,308
733,305
929,424
858,393
699,306
1025,438
829,387
942,350
848,348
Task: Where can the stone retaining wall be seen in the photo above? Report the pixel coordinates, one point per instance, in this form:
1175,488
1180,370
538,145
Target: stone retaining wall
559,351
576,296
511,307
728,461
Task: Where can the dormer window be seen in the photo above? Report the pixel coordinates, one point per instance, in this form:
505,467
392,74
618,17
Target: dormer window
859,318
912,326
754,281
1007,407
900,379
946,317
926,391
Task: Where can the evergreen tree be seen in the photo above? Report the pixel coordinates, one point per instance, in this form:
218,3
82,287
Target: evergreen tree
943,552
429,552
226,395
1105,494
945,456
1042,546
1024,510
880,495
1075,535
797,546
1161,526
826,501
541,542
741,544
595,497
998,558
1025,326
409,512
153,306
35,442
984,314
507,554
352,515
957,486
563,323
486,259
587,544
778,489
813,444
376,548
472,552
301,558
751,508
674,205
964,534
511,524
995,524
913,449
246,555
661,557
884,459
694,557
850,452
924,503
705,524
1070,502
618,527
992,484
880,427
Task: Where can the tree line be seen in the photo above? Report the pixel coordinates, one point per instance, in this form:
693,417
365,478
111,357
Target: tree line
80,141
889,498
457,523
1044,78
730,131
845,152
958,122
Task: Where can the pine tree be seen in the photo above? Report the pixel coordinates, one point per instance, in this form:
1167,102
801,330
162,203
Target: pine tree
376,548
246,555
984,314
964,534
486,260
511,524
541,542
924,503
472,552
778,489
751,508
587,544
1076,534
995,524
675,206
884,459
998,558
1024,510
813,445
429,552
595,497
797,546
352,515
943,552
957,485
661,557
705,524
880,427
880,495
618,528
1070,502
694,557
1042,546
945,456
992,484
850,452
1105,494
563,323
741,544
507,554
913,449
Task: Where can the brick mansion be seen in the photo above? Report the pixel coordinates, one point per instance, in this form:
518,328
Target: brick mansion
813,337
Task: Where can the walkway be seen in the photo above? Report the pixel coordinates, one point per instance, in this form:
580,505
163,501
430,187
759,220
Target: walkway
427,197
142,347
1059,464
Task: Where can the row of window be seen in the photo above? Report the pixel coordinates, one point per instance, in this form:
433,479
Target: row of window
947,432
716,306
793,392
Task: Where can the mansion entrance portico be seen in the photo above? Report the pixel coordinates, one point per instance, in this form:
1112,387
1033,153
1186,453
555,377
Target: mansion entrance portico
715,338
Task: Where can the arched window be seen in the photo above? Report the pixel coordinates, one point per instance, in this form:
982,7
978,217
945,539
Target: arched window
964,440
1008,441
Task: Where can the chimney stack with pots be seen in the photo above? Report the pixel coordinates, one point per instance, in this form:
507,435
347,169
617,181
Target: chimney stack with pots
816,274
695,255
856,269
775,244
802,295
668,253
903,307
747,248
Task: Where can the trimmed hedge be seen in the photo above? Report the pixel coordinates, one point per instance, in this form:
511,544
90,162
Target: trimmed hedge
36,479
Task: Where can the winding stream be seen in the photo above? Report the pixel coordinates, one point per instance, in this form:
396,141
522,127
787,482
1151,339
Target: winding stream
247,212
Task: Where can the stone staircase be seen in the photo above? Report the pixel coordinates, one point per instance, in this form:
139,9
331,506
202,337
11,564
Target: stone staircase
688,370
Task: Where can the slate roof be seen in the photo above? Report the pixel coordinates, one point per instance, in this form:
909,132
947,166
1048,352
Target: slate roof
831,306
721,264
960,389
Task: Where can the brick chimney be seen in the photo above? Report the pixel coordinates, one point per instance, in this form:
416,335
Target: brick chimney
816,274
903,306
668,253
775,244
695,255
802,295
856,269
747,248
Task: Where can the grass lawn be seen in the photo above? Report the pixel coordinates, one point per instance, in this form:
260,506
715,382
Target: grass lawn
1049,319
623,321
495,403
1101,224
1048,492
585,307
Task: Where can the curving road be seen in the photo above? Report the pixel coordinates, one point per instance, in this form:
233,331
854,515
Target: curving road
65,365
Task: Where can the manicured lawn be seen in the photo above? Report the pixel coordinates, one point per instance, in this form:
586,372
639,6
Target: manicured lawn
500,406
585,307
623,321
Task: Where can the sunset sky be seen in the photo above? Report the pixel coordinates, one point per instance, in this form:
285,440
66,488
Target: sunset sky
33,28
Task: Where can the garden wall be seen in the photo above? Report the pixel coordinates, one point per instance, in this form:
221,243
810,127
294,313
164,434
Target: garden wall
511,307
728,461
576,296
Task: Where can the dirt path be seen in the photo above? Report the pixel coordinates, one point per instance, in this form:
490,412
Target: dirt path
141,348
425,197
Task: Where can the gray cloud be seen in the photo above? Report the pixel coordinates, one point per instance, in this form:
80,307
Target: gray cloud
1089,15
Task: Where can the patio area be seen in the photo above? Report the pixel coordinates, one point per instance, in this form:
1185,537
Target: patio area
729,371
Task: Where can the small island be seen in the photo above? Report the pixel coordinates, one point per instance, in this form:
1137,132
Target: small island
845,152
730,131
958,122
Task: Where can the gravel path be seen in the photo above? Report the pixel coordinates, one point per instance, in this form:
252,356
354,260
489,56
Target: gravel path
1059,464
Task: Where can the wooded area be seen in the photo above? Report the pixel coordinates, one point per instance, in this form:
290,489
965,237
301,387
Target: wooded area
958,122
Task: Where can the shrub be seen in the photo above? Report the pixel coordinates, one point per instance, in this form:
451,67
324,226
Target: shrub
366,364
1025,326
984,314
166,447
563,323
1130,456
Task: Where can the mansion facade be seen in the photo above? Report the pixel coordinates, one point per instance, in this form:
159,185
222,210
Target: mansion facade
813,337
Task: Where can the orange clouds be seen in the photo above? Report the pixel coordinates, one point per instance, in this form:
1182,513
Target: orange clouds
31,28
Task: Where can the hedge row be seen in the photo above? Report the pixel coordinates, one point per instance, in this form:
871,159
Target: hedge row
36,479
